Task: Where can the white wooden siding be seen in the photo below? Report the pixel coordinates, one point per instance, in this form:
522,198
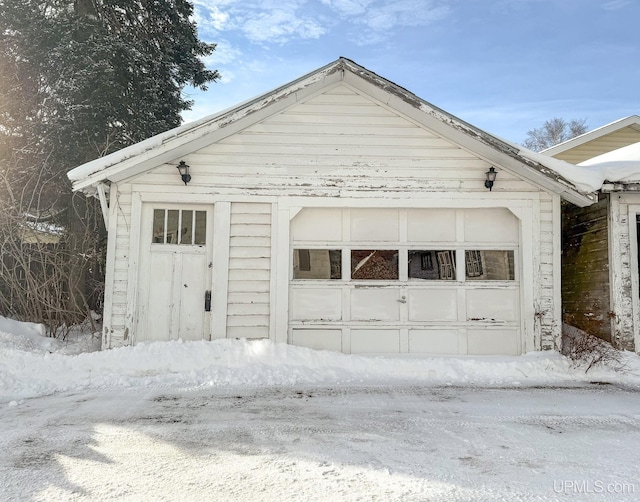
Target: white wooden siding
337,141
116,326
547,315
249,271
622,307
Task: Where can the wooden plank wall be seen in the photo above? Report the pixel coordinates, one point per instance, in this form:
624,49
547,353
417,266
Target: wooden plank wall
622,316
586,300
335,143
116,326
249,271
545,304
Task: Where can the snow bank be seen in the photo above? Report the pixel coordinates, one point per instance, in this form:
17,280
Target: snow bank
622,164
27,336
31,365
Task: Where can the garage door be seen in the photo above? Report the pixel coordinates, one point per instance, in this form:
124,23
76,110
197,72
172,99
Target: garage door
405,281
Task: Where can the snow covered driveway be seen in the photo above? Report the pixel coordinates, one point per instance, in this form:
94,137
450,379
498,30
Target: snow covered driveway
335,443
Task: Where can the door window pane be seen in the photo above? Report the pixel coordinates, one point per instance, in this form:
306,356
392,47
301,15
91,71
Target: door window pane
186,232
490,265
200,228
158,226
374,264
171,232
178,226
432,265
317,264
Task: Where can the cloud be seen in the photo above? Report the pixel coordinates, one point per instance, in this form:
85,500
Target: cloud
615,4
284,21
383,15
261,21
280,26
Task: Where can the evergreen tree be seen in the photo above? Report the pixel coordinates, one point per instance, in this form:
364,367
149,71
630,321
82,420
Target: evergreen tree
80,79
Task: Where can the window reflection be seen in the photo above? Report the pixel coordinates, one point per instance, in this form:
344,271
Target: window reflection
374,264
432,265
317,264
489,265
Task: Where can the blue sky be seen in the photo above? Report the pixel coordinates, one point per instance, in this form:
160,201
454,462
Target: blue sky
505,66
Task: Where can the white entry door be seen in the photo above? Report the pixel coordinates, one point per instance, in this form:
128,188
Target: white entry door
174,288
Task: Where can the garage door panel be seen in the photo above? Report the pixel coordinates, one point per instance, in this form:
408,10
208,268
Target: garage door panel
431,225
433,304
369,225
433,341
375,341
492,304
504,226
317,224
316,304
493,342
319,339
376,304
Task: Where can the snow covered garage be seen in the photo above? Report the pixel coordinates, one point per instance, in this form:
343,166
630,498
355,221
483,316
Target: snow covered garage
338,212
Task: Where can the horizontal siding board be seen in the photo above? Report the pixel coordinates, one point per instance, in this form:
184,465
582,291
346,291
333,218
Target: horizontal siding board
252,140
351,120
248,298
249,275
250,252
328,129
248,207
337,150
248,309
248,286
251,218
249,263
248,162
247,230
250,241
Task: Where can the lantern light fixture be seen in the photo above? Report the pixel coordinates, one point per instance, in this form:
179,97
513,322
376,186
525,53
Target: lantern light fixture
491,178
183,168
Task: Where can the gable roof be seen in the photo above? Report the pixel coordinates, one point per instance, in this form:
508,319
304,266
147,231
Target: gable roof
545,172
632,121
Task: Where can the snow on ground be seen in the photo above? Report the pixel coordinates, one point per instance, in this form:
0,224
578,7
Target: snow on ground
32,365
240,420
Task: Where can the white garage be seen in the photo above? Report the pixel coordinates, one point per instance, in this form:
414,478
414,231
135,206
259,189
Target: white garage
337,212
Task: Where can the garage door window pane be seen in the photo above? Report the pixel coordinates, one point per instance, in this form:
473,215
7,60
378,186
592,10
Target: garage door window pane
489,265
432,265
374,264
317,264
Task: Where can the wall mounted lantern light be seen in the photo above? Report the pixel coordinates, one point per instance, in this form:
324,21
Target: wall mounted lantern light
183,167
491,177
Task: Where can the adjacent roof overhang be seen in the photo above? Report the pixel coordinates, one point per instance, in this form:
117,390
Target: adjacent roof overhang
632,120
168,146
